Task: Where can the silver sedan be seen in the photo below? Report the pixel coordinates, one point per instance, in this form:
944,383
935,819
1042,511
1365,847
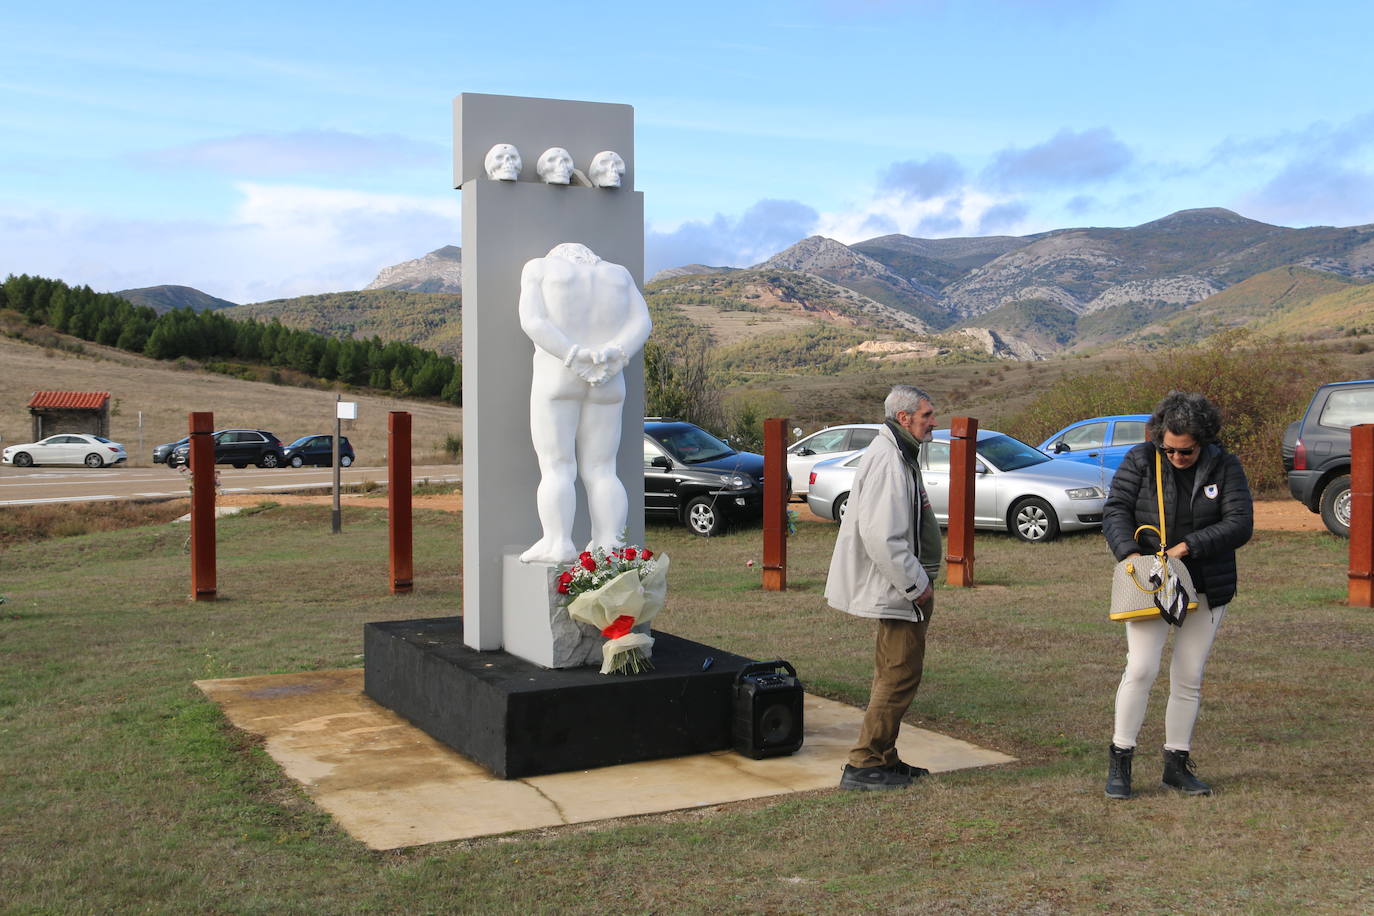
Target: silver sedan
1016,487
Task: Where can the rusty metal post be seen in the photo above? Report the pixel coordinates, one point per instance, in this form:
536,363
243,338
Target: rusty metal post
1360,591
775,494
202,461
398,492
963,442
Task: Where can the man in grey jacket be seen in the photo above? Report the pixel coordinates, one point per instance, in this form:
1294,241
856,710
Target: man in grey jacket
886,558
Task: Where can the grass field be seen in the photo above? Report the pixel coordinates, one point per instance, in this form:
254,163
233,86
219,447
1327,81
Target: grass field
125,791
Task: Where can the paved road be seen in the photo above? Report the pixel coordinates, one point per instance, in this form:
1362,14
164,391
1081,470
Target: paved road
31,486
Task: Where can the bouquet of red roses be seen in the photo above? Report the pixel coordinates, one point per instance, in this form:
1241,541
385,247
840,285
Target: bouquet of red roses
613,591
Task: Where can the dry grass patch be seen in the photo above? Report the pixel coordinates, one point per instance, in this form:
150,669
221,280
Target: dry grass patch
25,524
166,395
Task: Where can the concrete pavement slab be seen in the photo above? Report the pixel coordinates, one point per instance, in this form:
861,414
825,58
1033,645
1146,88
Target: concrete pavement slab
390,785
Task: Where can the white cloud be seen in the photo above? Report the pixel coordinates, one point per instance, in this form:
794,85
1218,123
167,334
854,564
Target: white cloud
280,240
958,213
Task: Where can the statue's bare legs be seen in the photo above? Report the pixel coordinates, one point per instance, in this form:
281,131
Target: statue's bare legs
575,426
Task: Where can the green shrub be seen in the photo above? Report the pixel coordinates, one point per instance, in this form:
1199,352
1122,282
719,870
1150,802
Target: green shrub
1259,386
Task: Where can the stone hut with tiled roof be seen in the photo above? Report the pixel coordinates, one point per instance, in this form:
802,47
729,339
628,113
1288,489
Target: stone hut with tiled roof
56,412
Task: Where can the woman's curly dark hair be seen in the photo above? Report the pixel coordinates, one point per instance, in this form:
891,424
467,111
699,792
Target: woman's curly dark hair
1184,413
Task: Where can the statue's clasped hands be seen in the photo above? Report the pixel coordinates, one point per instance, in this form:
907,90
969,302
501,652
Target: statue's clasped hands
596,367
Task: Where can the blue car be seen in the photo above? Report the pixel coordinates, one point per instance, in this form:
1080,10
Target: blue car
1102,441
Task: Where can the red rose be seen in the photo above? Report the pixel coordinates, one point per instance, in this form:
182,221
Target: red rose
629,553
647,553
565,578
562,588
588,563
584,555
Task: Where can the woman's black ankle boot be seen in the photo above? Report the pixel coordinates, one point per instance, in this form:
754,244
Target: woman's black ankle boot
1179,774
1119,771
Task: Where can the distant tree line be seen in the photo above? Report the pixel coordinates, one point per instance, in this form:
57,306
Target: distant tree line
105,318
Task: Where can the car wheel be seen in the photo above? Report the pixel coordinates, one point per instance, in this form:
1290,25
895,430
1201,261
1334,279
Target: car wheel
94,461
345,460
23,460
297,461
703,518
840,508
1033,520
1335,506
172,462
240,465
269,460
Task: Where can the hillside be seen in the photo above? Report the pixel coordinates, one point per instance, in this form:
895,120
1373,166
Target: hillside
776,293
1251,302
1346,311
429,320
849,268
165,298
165,394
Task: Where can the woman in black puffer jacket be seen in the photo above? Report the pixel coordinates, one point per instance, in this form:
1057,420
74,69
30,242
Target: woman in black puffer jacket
1209,513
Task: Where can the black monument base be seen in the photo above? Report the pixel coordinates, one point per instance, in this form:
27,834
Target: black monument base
518,719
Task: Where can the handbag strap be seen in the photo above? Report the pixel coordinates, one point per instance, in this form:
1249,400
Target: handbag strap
1159,493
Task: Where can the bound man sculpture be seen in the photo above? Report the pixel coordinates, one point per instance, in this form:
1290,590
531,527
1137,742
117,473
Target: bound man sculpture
587,319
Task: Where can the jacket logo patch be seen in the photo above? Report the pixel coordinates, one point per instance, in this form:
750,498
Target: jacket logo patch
1210,490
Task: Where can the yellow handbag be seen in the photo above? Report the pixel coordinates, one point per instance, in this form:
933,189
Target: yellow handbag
1157,586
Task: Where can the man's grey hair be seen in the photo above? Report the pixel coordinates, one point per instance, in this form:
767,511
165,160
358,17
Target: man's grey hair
906,398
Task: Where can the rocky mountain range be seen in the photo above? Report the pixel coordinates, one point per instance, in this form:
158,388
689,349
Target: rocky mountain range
1177,278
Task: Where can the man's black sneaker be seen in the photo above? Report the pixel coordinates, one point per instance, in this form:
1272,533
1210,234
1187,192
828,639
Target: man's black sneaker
908,770
872,778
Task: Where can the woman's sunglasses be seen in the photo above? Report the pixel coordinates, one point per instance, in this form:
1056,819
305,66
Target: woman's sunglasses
1185,452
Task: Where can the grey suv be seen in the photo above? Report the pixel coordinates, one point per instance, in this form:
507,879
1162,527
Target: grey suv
1316,450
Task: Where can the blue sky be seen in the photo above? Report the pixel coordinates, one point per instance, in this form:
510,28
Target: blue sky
256,150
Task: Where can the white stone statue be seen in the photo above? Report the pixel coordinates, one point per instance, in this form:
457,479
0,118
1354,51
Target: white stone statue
503,163
555,165
586,318
607,169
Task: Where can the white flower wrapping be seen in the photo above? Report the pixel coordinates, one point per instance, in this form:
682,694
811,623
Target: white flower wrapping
627,595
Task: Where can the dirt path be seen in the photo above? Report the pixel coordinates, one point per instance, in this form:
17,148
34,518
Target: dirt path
1270,514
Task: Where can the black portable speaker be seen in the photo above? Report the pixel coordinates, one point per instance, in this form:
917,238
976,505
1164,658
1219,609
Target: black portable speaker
768,710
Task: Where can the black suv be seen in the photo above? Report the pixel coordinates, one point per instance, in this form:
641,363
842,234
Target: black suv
239,447
692,476
1316,450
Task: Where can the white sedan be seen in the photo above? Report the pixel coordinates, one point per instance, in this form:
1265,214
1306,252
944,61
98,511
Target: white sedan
831,442
66,448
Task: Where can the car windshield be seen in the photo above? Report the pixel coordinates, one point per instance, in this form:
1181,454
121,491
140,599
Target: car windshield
693,446
100,439
1008,454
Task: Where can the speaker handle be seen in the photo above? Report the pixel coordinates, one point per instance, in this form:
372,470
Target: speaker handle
762,667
